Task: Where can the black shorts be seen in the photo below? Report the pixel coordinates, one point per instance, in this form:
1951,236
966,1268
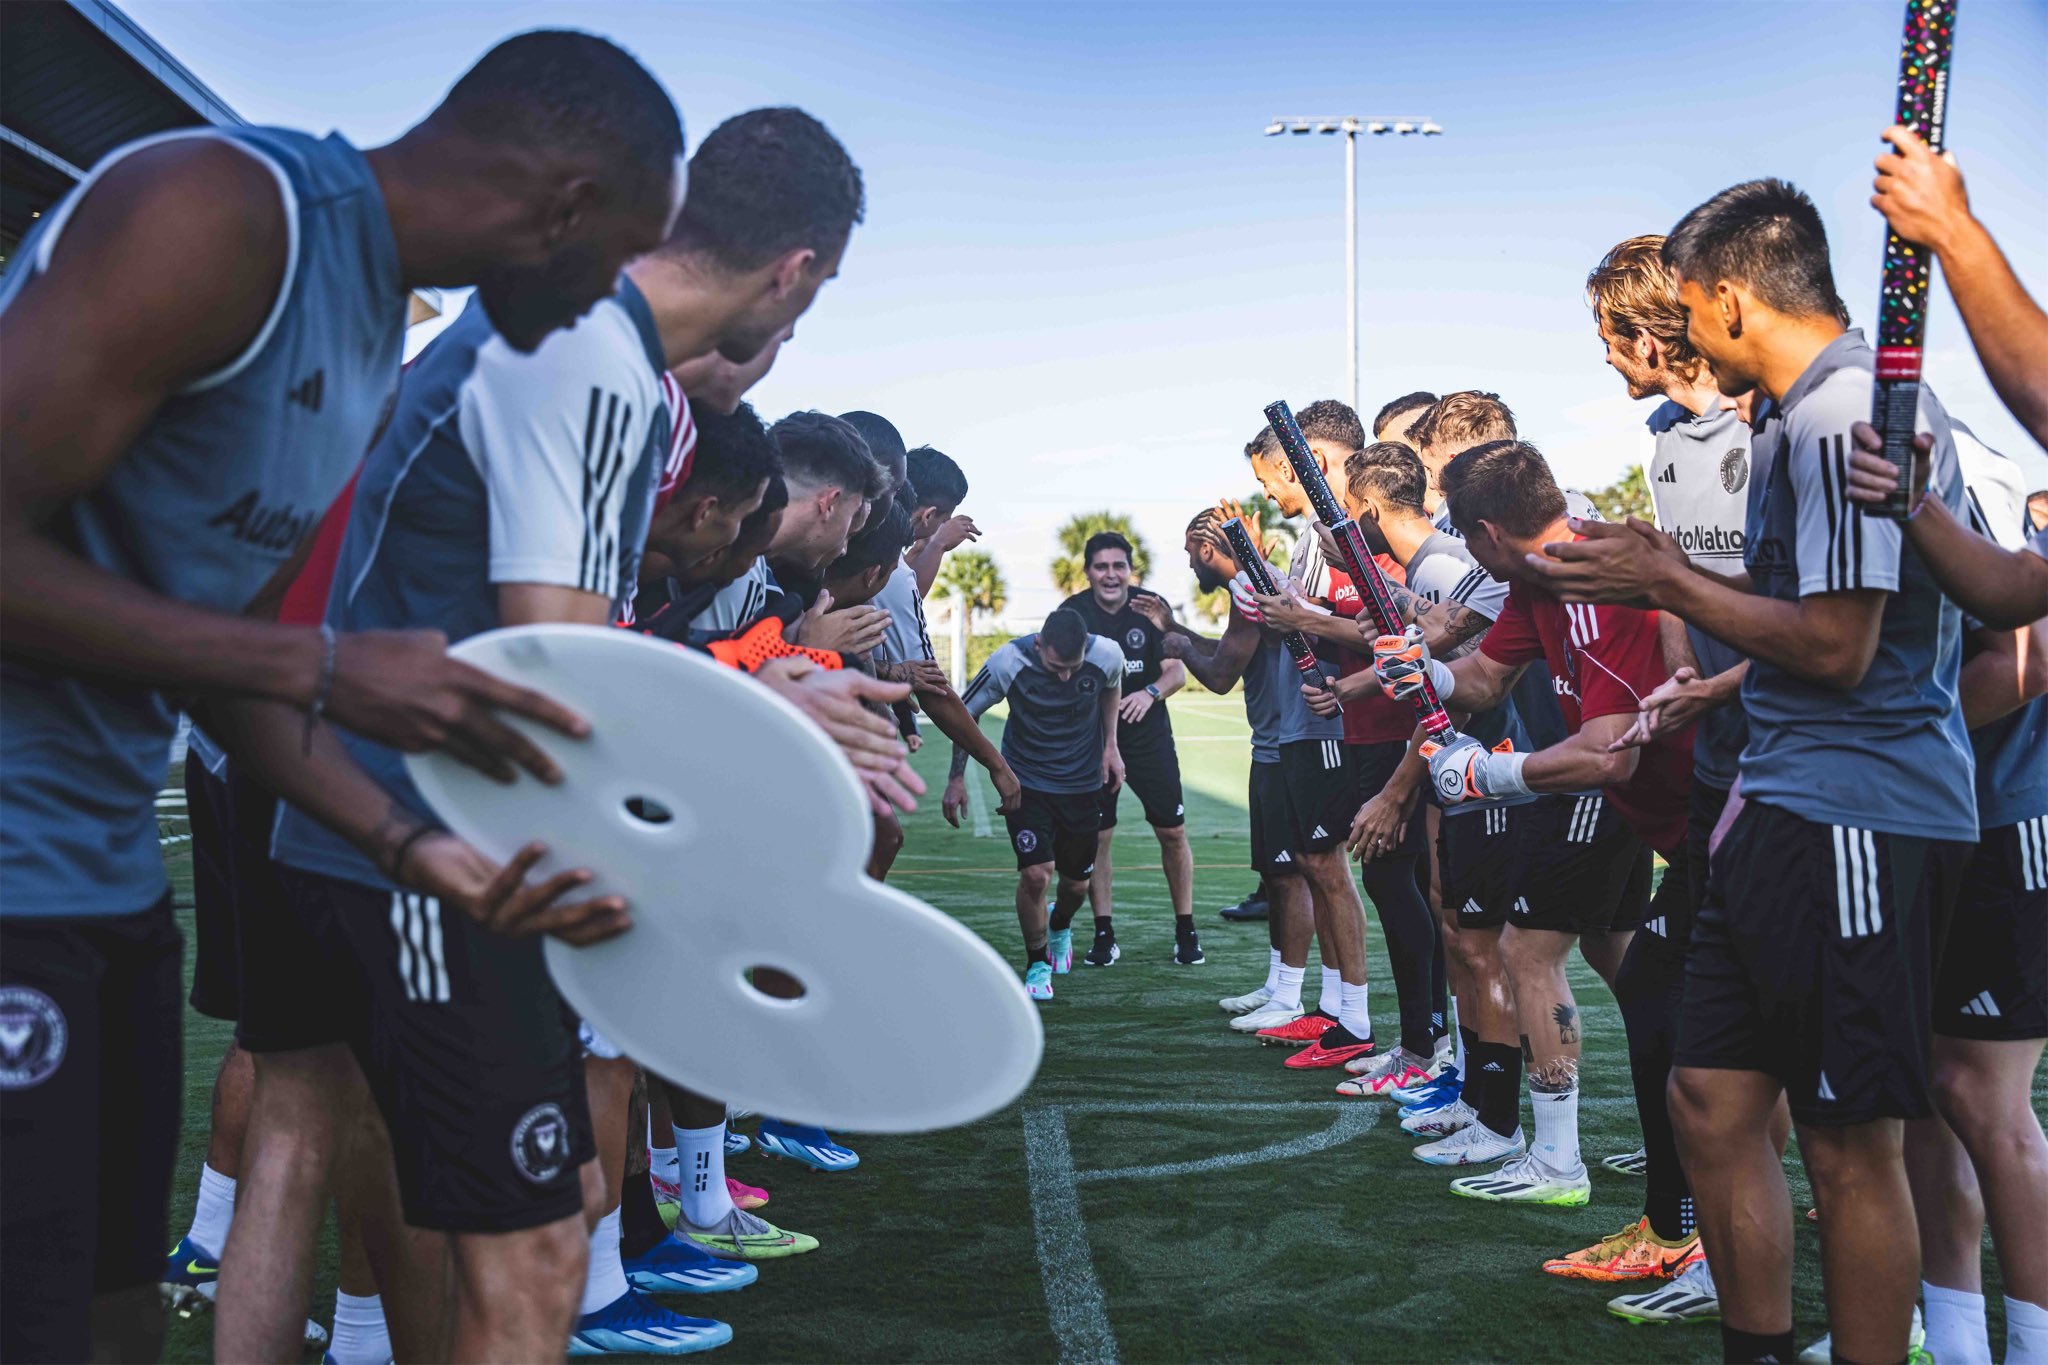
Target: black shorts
1321,777
216,970
1057,828
1812,961
92,1098
1152,771
293,991
1993,978
1271,831
1480,853
1584,870
473,1058
1672,908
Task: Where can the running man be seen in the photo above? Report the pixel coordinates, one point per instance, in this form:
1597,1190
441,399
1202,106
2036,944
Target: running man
1836,879
1061,742
202,339
1144,737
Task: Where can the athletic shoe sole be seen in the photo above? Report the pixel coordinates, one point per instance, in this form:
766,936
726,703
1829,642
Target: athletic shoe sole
1566,1197
1664,1307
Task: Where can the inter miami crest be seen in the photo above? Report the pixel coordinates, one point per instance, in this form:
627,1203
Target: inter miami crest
1027,840
1735,469
1135,638
33,1037
1087,685
540,1143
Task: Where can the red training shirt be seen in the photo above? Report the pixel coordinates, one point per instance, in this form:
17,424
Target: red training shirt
1603,661
1375,718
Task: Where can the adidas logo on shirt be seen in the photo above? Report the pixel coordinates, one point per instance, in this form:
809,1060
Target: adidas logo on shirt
1670,474
307,392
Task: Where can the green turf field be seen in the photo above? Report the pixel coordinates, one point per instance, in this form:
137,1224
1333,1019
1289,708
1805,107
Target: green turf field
1165,1190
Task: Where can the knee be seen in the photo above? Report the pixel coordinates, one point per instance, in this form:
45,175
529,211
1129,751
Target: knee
1036,878
888,836
1693,1112
1172,838
1850,1162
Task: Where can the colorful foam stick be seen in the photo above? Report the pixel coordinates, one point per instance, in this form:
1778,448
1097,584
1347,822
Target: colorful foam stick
1908,266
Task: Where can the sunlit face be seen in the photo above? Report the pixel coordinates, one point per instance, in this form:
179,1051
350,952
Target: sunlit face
1277,482
1708,332
1623,356
1109,577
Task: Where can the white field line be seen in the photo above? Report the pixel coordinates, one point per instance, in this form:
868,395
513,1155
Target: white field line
977,808
1075,1307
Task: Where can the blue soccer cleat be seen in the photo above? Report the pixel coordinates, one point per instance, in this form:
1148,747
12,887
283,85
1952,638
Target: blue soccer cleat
635,1325
191,1275
1059,945
811,1146
676,1266
1443,1089
736,1142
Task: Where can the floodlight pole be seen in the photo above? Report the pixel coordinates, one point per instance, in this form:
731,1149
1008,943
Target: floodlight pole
1351,128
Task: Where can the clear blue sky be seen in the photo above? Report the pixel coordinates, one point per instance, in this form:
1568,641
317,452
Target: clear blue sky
1085,271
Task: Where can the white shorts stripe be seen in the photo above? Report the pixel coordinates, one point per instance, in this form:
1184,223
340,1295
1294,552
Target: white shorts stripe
401,916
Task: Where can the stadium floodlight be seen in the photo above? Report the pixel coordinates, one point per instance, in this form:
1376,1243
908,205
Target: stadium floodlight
1351,127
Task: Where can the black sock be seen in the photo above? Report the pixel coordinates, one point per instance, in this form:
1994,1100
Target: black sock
1497,1069
1034,956
1410,934
1183,926
1753,1348
640,1225
1671,1214
1470,1039
1104,926
1061,920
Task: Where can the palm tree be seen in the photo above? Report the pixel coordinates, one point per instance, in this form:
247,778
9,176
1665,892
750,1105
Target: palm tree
972,573
1069,573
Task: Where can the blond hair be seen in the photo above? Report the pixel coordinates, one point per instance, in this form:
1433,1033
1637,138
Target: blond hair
1459,421
1632,294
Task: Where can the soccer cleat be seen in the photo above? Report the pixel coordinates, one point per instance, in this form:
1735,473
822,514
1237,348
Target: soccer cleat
1823,1351
1187,949
1689,1298
635,1325
1247,1003
748,1197
1037,983
1335,1047
1305,1029
191,1275
1059,945
1628,1163
1441,1121
676,1265
1630,1254
1268,1015
1526,1180
1252,907
1103,952
736,1142
1473,1145
1443,1083
1382,1085
191,1279
748,1237
811,1147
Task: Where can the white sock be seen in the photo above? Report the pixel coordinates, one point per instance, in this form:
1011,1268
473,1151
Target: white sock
2026,1332
1272,969
1353,1014
1956,1331
606,1279
665,1164
701,1159
1287,988
1557,1128
360,1336
1333,991
215,1210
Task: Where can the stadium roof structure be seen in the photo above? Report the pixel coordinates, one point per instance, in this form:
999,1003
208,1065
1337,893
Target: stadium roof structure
77,79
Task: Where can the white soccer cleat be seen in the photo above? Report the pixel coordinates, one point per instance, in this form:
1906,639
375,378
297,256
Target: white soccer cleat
1690,1297
1525,1180
1473,1145
1823,1351
1443,1121
1246,1003
1268,1015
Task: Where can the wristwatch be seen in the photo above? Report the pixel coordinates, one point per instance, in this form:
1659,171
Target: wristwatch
1153,688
